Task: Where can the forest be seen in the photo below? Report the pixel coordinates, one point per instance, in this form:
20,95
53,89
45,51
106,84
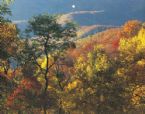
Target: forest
55,72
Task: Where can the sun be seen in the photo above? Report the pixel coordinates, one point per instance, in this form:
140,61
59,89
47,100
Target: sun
73,6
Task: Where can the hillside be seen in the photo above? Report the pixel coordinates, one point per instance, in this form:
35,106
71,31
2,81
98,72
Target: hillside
109,38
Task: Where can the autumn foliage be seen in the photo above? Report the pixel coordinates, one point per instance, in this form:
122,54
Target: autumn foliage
103,73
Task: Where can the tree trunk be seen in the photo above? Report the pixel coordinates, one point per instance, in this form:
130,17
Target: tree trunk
61,111
46,76
45,110
20,112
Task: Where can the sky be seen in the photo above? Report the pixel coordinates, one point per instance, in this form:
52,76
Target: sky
114,11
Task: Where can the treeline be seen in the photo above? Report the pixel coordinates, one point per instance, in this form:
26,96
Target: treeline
53,74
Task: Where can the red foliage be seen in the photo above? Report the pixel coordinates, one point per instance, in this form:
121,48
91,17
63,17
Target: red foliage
17,94
115,43
27,84
30,83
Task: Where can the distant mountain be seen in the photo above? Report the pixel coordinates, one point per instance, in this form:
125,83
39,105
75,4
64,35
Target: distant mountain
116,12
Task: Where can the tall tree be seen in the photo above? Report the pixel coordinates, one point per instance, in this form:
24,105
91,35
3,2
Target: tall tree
53,38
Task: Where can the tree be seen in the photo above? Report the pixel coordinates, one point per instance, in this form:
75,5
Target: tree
53,38
7,1
97,87
131,28
4,10
132,55
132,65
8,51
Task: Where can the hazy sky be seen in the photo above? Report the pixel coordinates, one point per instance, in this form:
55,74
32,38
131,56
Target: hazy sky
115,12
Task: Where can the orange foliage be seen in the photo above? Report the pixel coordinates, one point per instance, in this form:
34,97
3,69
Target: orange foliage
131,28
8,37
7,31
109,39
